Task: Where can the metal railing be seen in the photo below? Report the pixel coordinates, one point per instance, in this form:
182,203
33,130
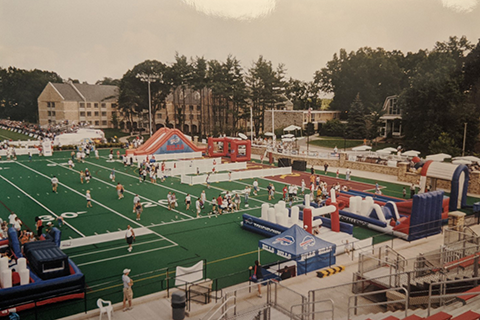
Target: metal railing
443,296
357,306
308,313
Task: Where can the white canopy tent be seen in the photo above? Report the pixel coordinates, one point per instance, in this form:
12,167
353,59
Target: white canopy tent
411,153
461,161
362,148
438,157
468,158
292,128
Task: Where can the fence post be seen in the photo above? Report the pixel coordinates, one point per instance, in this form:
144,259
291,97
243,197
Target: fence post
85,298
168,284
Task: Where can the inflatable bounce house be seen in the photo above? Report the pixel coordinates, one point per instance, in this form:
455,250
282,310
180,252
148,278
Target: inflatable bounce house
166,141
235,149
410,220
334,234
458,176
41,275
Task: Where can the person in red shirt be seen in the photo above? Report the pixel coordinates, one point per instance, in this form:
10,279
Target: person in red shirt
285,190
220,204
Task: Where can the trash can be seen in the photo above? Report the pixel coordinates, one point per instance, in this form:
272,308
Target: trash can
178,305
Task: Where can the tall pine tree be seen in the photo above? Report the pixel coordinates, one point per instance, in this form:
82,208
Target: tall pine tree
357,125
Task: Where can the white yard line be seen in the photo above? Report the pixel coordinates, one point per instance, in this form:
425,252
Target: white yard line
133,193
41,205
97,202
125,255
110,249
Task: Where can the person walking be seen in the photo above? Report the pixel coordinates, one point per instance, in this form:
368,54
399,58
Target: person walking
120,190
82,176
257,276
129,237
188,200
412,190
138,210
127,290
54,184
88,196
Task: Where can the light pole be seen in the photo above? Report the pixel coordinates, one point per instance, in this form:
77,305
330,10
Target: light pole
251,124
149,78
464,139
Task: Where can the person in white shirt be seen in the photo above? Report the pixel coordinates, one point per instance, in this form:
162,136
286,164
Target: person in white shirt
136,199
129,237
11,218
88,196
303,187
203,199
255,187
169,200
54,184
188,199
197,206
247,195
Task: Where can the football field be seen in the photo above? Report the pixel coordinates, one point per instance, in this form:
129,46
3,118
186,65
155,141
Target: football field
94,238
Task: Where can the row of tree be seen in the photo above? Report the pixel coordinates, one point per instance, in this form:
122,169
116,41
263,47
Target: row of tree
227,91
438,91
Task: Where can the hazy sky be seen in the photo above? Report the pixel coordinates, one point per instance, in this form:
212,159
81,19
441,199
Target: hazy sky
92,39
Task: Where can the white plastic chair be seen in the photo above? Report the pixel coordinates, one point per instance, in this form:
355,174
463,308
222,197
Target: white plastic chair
105,307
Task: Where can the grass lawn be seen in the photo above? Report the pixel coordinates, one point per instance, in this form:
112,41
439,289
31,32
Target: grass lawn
10,135
339,143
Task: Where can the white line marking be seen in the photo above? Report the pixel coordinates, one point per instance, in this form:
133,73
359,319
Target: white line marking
95,201
110,249
124,256
41,205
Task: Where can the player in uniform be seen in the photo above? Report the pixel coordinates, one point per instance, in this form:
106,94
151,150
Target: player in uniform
54,184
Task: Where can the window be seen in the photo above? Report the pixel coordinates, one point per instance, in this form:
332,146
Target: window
104,105
52,105
393,107
95,105
49,113
82,114
89,105
114,105
159,116
104,114
89,114
199,108
53,113
97,123
199,117
104,123
114,114
82,104
196,95
191,108
96,113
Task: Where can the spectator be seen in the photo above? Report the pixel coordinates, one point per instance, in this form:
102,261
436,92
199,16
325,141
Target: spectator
127,290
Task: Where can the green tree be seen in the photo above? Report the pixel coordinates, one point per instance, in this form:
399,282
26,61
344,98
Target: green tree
19,91
374,73
182,77
444,144
436,101
333,128
266,87
304,95
108,82
357,125
133,92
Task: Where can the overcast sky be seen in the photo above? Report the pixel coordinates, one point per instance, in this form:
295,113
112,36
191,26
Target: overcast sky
92,39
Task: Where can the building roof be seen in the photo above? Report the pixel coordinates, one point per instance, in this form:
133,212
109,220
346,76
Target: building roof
86,92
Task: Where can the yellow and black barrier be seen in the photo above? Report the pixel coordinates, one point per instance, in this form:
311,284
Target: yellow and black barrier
329,271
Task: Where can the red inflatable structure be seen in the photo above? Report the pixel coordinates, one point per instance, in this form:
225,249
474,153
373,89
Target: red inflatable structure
230,148
164,141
